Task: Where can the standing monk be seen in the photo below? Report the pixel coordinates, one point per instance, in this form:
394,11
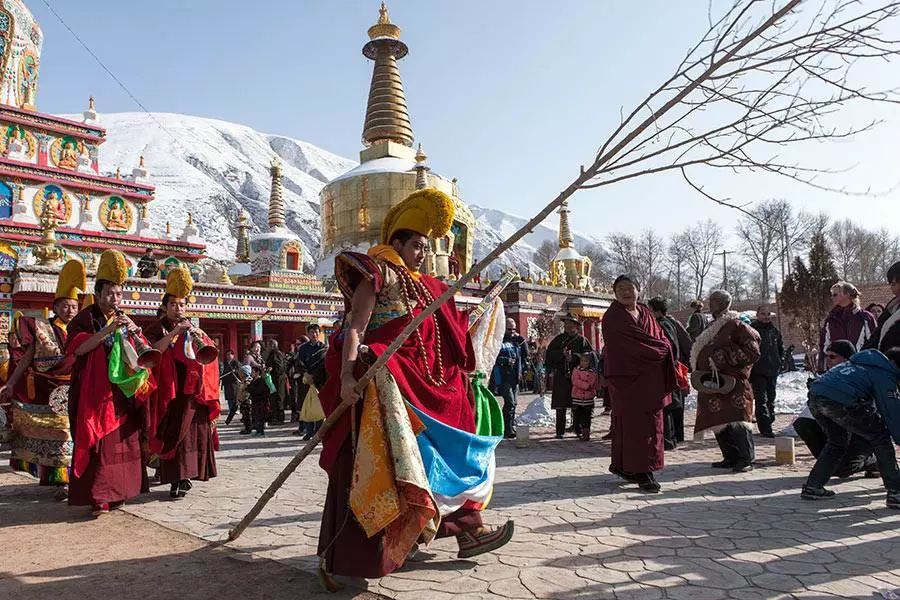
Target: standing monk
42,444
106,416
413,470
186,402
640,375
562,357
724,354
276,362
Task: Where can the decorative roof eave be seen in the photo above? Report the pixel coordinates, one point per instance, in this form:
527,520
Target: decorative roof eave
53,124
95,183
77,238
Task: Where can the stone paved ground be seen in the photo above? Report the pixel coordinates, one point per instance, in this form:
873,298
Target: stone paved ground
583,534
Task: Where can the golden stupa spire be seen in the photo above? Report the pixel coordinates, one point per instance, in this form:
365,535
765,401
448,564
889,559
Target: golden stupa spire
387,118
565,234
421,169
91,104
276,201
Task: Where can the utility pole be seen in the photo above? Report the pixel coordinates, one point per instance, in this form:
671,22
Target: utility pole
725,254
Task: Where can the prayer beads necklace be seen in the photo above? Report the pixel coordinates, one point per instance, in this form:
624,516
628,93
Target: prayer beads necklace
410,288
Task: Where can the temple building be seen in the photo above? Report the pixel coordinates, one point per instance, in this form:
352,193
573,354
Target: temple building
56,205
354,204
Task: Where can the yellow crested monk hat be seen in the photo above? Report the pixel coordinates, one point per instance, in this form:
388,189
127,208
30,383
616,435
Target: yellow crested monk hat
113,267
428,212
179,283
72,281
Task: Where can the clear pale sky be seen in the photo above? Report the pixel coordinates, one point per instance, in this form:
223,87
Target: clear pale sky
510,96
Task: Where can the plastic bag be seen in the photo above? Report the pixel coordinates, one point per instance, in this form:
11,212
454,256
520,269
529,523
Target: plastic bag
269,383
312,407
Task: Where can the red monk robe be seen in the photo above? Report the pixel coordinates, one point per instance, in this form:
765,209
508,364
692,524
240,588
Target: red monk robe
182,411
342,541
106,425
640,372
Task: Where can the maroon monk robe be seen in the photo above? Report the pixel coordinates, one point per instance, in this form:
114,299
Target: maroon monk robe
640,373
181,414
106,425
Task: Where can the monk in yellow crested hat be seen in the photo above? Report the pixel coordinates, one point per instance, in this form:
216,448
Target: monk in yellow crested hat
424,214
179,285
72,281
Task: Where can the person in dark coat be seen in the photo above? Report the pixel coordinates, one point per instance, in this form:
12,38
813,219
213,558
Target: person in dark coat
697,322
309,364
561,357
681,342
845,321
230,377
507,374
276,362
764,376
887,334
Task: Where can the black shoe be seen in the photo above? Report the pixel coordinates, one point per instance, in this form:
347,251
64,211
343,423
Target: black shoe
510,436
245,432
808,493
722,464
560,436
872,474
670,445
742,468
629,477
893,499
648,483
175,492
228,420
259,434
307,437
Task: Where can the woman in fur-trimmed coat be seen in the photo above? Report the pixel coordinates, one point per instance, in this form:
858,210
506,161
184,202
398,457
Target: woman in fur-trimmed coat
727,349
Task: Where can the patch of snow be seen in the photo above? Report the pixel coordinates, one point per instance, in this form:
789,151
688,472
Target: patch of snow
538,413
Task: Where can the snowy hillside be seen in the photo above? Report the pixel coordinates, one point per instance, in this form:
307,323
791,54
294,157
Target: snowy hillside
214,168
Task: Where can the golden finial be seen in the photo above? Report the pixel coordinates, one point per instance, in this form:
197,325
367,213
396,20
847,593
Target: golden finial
91,103
421,157
141,161
118,173
384,28
168,228
190,218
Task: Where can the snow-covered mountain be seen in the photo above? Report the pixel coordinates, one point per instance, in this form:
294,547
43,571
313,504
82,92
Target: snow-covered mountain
213,169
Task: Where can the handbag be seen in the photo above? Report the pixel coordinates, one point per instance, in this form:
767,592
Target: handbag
311,411
682,376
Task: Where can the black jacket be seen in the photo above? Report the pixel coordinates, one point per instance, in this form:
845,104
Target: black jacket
771,350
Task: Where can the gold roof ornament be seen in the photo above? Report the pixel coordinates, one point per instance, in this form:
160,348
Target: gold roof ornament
141,161
91,104
190,220
387,117
566,239
384,28
421,169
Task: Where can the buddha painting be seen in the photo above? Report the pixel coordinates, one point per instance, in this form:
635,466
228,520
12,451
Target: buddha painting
116,216
68,156
55,203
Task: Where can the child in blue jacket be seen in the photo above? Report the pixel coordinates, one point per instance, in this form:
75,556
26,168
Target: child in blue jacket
858,397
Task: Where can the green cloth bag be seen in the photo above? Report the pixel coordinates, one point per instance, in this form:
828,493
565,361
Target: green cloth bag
269,383
488,416
120,375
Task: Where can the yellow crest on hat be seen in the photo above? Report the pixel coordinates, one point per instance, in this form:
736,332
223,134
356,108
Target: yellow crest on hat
72,280
179,283
428,212
113,267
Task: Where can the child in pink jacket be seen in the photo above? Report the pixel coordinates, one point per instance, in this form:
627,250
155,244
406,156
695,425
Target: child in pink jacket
584,389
